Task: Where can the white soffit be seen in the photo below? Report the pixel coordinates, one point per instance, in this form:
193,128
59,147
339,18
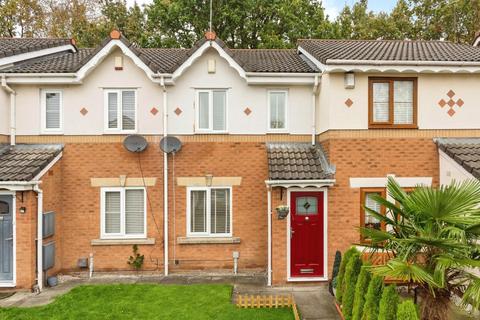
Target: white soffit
381,182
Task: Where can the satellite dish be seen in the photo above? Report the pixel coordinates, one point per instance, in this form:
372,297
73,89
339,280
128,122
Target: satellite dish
135,143
170,144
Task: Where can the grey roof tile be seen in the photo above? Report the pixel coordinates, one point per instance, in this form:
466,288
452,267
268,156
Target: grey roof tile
464,151
297,161
389,50
24,161
13,46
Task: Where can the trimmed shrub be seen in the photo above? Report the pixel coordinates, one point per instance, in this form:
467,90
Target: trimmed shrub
407,311
360,290
336,267
372,299
352,271
389,304
341,273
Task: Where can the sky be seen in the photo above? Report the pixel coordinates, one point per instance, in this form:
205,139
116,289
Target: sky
332,7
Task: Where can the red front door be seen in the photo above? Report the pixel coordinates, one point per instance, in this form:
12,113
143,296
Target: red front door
306,234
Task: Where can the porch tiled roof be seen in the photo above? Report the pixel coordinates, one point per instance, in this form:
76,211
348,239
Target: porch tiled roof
298,161
24,161
464,151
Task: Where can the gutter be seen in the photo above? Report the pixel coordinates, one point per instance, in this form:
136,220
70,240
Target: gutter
13,120
402,63
283,182
165,179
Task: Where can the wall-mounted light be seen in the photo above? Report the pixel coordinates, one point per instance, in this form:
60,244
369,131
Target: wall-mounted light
208,180
349,80
22,210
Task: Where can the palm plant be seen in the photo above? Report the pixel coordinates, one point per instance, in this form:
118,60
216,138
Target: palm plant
432,235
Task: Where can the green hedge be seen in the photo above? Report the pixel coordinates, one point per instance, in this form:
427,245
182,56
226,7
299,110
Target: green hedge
389,304
352,271
341,273
374,293
407,311
360,289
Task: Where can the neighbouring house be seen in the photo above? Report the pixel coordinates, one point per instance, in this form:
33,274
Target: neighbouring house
307,134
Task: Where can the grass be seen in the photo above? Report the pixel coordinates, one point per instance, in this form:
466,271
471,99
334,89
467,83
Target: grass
145,301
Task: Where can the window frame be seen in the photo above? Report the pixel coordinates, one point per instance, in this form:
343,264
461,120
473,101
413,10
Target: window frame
122,234
119,128
210,111
363,194
208,233
43,103
390,123
269,115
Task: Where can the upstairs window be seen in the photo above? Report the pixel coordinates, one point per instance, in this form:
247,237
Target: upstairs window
52,111
209,211
277,110
211,111
120,110
392,102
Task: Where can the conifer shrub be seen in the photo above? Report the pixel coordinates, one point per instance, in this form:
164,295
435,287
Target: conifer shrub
389,303
407,311
336,267
360,290
341,273
352,271
372,299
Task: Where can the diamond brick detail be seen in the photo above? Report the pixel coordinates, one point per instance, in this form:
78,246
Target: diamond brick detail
84,111
247,111
349,102
442,103
450,93
178,111
451,103
460,102
154,111
451,112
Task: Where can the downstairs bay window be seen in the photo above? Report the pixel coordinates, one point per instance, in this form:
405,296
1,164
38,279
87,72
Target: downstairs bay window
366,219
123,213
209,212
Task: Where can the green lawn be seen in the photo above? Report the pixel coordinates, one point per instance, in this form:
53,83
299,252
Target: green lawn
145,301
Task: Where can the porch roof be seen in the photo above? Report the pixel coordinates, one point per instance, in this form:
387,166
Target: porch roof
464,151
23,162
298,162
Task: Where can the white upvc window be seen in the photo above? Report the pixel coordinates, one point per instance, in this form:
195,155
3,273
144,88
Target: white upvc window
209,211
52,111
211,111
120,110
123,213
277,110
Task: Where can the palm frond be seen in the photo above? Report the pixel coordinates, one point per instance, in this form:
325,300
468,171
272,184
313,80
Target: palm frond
405,271
472,294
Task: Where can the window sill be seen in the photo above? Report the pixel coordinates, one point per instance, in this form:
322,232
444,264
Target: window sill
386,126
121,242
208,240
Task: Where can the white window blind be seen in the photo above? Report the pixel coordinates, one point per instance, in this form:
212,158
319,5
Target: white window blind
403,102
212,110
371,221
134,211
210,212
381,101
52,110
277,109
112,212
123,212
121,110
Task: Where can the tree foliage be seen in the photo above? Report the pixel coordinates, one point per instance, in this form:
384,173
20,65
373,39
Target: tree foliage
341,273
433,235
352,271
388,303
360,289
372,299
407,310
240,23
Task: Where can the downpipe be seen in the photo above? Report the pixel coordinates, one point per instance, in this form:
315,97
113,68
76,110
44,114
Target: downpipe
13,120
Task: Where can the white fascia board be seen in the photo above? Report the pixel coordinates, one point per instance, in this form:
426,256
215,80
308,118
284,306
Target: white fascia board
381,182
317,63
48,167
197,54
445,157
375,68
35,54
102,54
280,80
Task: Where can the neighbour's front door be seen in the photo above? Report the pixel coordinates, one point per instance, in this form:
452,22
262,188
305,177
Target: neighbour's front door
6,239
306,234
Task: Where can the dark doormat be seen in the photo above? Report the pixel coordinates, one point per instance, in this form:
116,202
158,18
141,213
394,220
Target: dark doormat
5,295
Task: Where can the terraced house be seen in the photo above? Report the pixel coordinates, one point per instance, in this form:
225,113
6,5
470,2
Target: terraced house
276,151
